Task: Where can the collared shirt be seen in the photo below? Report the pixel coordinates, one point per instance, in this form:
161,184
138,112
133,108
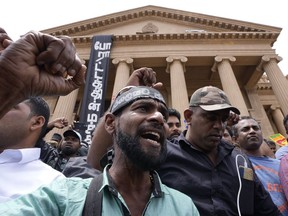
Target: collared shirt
214,188
163,200
67,197
23,172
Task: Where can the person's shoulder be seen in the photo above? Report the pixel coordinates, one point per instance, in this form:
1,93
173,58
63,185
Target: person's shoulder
282,151
264,159
173,147
68,184
78,167
181,201
176,142
173,192
43,167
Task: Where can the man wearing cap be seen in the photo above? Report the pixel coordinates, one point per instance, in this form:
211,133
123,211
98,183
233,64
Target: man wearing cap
204,167
71,143
130,186
200,164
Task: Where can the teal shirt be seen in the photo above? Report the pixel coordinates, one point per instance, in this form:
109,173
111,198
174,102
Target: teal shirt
67,196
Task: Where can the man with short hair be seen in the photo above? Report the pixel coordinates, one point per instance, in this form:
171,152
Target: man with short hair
174,123
130,185
22,171
249,136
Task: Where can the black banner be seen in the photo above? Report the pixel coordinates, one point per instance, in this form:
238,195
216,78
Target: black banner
92,107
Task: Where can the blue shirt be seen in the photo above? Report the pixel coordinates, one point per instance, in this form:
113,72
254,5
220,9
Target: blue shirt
67,197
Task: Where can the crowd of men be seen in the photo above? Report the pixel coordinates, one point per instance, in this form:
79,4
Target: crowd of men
141,160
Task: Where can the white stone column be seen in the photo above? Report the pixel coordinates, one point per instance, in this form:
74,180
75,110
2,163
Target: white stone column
278,81
229,82
64,108
179,94
278,119
124,66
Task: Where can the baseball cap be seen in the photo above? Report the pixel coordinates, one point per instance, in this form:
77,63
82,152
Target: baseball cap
129,94
211,98
73,133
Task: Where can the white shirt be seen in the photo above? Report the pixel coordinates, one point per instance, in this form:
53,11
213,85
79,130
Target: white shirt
21,172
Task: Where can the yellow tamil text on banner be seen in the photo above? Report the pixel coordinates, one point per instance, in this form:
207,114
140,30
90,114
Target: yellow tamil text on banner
279,139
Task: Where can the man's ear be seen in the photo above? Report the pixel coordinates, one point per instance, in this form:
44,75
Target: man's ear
110,123
188,116
37,122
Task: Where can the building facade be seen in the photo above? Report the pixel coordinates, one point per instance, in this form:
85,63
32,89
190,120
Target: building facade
188,51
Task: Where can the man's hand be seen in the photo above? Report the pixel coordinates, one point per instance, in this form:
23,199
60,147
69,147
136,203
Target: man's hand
144,77
232,119
59,123
38,65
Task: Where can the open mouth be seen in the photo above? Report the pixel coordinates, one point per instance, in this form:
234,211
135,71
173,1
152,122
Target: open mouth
152,137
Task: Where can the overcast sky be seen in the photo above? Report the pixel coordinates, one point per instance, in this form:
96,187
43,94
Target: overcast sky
18,17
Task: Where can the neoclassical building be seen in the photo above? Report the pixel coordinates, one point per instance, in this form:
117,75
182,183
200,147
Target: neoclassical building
187,50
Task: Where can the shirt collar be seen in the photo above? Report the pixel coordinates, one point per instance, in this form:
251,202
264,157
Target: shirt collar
20,156
158,188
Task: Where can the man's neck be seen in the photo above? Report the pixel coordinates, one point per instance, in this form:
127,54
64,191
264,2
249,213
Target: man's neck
134,186
255,153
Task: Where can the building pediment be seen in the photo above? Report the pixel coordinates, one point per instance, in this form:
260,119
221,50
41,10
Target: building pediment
140,31
153,22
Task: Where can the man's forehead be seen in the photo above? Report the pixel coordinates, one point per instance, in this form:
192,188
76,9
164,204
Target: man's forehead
24,105
149,101
133,93
172,118
247,123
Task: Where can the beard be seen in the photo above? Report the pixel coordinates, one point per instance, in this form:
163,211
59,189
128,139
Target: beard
144,160
68,151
